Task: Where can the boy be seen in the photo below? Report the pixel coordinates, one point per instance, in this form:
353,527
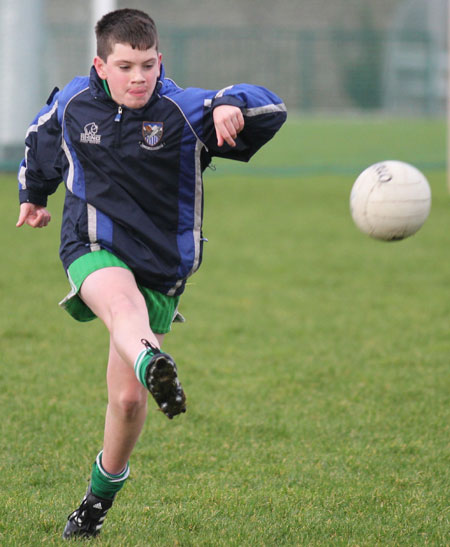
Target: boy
131,147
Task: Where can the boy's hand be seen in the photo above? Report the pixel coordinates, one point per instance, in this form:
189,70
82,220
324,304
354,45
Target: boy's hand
36,216
228,122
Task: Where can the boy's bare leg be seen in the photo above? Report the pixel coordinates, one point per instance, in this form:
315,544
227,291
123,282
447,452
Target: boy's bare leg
125,414
114,297
112,294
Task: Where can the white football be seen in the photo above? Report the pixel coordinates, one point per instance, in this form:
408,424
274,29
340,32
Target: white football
390,200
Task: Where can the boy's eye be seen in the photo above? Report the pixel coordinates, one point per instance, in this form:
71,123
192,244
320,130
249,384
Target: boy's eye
127,67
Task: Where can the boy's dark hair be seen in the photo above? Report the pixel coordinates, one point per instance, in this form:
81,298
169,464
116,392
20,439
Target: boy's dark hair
125,26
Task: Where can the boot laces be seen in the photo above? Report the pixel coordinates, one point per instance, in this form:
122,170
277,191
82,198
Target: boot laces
150,347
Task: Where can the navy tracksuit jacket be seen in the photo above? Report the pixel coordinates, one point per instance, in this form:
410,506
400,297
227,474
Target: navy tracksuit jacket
133,177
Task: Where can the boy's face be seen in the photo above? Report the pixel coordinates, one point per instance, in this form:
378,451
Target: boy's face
131,74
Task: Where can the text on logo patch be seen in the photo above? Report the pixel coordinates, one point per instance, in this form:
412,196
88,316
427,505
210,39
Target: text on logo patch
90,134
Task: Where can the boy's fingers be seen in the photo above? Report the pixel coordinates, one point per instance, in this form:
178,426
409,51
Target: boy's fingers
34,217
23,214
239,122
228,132
40,219
229,122
226,137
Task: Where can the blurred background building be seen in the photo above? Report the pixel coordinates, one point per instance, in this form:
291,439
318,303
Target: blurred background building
336,58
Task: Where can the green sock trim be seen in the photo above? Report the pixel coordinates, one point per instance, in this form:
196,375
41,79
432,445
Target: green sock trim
141,363
106,485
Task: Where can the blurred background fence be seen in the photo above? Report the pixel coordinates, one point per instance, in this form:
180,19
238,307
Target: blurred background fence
336,58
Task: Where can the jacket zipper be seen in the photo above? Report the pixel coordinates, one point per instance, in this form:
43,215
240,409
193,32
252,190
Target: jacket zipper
117,133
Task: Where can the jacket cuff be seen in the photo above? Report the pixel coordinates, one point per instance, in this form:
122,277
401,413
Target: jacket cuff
228,100
28,196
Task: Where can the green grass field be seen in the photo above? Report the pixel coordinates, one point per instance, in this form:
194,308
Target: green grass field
315,360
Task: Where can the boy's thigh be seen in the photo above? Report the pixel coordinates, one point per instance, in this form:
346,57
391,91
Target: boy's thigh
109,289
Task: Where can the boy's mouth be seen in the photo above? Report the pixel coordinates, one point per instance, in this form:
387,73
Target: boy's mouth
138,92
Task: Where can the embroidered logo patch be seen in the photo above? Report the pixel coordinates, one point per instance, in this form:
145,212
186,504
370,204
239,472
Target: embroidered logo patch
90,134
152,133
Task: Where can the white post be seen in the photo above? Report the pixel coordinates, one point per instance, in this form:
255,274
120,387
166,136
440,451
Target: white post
99,8
21,46
448,95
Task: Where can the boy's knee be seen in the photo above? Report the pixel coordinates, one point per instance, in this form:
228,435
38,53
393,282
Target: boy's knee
130,403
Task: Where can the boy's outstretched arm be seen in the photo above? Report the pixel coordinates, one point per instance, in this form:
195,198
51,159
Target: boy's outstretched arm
231,134
228,123
35,216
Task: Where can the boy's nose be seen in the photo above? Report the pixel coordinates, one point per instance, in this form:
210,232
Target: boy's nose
138,76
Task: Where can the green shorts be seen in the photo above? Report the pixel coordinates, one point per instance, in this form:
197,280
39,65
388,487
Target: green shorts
162,309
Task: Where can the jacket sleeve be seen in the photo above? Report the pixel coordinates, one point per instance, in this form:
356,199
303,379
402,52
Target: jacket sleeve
264,114
39,172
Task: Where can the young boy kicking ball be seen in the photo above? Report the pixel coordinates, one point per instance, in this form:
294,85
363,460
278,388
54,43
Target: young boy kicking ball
131,146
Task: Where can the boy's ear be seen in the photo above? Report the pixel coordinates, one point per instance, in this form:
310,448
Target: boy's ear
159,63
99,65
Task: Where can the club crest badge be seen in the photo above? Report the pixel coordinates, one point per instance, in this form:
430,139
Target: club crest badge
152,133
